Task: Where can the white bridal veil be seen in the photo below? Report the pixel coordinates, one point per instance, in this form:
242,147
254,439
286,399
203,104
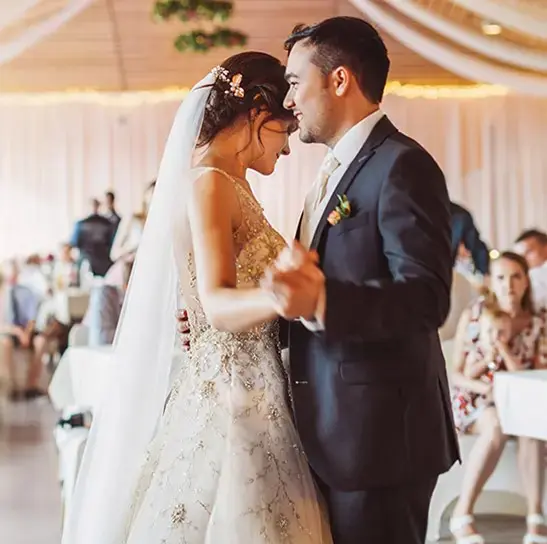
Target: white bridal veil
143,350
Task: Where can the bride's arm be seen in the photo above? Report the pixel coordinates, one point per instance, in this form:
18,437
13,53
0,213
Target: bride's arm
214,213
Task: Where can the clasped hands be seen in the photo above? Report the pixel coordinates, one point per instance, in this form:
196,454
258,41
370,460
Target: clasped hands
295,284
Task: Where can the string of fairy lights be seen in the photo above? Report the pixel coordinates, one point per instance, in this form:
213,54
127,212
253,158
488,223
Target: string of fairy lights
137,98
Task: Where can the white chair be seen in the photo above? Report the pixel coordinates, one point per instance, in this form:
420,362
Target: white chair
71,445
77,302
505,478
78,336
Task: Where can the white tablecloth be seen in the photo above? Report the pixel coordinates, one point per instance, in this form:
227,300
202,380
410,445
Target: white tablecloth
66,306
521,400
80,377
73,302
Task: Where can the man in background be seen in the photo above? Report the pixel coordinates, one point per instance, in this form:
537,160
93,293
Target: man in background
111,213
532,245
93,237
466,238
471,263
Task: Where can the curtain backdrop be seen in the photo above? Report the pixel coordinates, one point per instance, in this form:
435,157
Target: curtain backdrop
54,157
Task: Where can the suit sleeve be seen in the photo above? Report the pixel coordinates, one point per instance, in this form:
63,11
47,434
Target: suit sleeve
477,248
414,224
75,238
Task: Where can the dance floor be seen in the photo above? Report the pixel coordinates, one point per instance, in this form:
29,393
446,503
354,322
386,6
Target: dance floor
499,529
30,508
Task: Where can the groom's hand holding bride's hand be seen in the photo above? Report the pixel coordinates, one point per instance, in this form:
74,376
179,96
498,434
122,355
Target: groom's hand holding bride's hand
296,283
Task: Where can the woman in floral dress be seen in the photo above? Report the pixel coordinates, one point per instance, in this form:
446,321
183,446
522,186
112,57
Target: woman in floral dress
498,333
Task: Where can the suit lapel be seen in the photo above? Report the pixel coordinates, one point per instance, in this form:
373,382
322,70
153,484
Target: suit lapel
383,129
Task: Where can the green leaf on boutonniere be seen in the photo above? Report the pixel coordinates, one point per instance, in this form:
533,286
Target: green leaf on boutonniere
340,212
344,207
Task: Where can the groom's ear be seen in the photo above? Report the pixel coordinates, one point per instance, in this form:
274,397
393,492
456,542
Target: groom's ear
341,79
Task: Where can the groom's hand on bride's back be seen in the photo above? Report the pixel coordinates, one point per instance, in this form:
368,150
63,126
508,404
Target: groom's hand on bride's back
183,328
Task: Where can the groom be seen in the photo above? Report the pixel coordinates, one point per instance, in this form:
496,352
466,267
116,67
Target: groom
368,375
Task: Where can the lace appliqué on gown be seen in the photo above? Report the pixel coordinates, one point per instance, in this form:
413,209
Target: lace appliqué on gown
226,466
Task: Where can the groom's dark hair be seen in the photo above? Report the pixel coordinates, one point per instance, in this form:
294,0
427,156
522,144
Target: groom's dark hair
350,42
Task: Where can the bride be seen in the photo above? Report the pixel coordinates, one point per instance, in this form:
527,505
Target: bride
220,462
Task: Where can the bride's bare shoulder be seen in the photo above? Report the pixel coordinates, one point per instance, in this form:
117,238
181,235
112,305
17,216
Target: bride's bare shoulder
212,190
211,181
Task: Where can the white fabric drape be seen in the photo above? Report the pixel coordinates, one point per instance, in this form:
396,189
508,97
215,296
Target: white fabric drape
499,50
37,32
526,19
10,11
466,65
55,157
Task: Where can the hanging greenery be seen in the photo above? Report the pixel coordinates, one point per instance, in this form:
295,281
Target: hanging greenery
190,10
200,40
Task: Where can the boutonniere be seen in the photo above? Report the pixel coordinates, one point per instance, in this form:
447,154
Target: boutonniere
342,211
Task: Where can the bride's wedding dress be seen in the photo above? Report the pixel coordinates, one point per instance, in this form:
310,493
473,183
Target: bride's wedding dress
226,465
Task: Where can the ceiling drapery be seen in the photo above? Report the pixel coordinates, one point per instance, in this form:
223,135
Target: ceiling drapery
11,12
442,41
29,36
500,50
522,16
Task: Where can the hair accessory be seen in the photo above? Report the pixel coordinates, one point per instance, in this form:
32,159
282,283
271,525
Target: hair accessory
234,82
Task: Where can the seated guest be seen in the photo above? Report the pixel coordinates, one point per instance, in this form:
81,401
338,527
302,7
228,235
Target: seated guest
465,235
499,332
52,325
32,276
19,306
532,245
93,237
65,271
465,267
105,306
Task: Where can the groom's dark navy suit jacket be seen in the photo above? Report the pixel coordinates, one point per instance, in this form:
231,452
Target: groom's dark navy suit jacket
371,393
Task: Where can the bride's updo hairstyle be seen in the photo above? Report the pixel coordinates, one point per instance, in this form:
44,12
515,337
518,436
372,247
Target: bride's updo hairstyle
245,83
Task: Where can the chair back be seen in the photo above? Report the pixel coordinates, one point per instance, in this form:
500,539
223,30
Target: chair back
78,336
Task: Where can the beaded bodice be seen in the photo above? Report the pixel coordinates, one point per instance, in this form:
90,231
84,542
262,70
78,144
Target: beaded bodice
257,245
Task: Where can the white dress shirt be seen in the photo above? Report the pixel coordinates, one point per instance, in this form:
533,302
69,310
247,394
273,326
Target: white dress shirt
538,280
345,151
